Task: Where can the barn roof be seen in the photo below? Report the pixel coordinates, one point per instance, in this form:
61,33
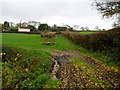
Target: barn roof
24,27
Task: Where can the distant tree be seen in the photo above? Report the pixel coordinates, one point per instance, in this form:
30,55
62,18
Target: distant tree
76,26
58,28
109,8
55,25
24,24
18,25
96,28
32,28
68,27
11,24
43,27
62,28
86,28
82,28
6,25
103,29
33,23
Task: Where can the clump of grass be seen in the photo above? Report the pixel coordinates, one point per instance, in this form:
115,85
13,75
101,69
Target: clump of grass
25,68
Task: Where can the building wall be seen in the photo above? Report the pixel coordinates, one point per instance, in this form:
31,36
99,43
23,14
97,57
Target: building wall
23,30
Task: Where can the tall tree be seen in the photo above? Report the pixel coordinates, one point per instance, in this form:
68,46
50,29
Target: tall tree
6,25
109,8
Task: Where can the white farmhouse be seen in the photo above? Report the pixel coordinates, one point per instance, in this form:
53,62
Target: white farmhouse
23,29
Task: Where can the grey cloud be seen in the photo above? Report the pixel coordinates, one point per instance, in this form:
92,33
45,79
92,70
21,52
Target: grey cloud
39,10
76,12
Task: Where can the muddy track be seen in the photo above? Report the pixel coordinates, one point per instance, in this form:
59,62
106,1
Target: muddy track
73,76
70,75
105,73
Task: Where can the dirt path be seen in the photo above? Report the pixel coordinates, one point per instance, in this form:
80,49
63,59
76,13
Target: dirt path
70,75
94,75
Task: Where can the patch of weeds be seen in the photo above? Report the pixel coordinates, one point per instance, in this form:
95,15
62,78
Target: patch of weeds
25,68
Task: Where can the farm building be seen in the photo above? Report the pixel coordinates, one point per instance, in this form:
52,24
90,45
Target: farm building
23,29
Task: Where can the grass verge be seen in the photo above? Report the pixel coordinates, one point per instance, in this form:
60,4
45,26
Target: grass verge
100,57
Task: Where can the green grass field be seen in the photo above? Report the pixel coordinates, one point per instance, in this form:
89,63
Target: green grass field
89,32
35,41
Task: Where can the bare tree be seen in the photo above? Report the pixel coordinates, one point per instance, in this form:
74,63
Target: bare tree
96,28
76,26
24,24
33,23
11,24
82,28
108,8
86,28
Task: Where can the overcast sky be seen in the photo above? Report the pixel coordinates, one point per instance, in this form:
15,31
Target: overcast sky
71,12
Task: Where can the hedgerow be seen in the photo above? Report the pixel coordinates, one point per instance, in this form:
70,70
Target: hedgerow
105,42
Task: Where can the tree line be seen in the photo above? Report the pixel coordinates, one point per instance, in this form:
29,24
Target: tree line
34,26
37,26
